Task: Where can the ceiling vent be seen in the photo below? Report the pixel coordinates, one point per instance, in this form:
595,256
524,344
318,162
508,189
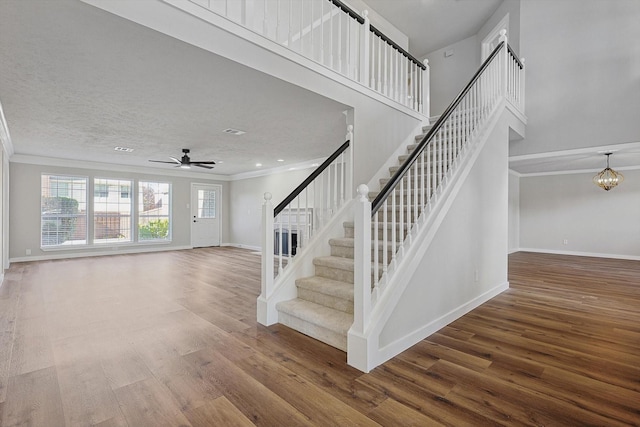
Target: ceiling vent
124,149
233,131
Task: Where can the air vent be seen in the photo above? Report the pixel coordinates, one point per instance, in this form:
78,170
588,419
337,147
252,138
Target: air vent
124,149
233,131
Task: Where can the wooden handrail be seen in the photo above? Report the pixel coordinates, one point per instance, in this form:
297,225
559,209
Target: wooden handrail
378,33
394,45
348,11
393,182
515,57
309,179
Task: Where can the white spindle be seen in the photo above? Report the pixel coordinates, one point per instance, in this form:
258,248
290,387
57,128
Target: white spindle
364,48
394,194
340,42
267,246
331,6
376,272
426,90
385,240
322,32
385,68
335,187
280,246
289,239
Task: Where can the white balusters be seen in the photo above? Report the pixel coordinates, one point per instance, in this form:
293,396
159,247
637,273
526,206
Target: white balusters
339,39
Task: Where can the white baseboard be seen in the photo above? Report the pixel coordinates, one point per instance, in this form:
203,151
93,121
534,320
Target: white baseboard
398,346
241,246
120,251
577,253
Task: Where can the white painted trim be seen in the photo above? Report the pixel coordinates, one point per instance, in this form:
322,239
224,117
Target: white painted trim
219,188
67,163
576,172
118,251
585,150
578,253
398,346
5,136
181,173
241,246
515,173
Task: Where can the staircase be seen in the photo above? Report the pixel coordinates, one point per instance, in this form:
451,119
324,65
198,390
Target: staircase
324,307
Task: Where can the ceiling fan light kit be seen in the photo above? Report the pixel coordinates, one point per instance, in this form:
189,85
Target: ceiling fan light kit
608,178
185,162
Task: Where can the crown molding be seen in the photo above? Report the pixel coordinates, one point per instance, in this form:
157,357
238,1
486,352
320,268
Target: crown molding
5,137
78,164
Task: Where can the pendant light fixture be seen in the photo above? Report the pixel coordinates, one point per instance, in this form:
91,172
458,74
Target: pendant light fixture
608,178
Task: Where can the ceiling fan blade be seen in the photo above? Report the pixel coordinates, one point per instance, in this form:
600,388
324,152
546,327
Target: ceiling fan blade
202,166
162,161
175,160
203,163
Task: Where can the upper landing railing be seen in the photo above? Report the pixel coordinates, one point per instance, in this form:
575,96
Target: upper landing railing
334,35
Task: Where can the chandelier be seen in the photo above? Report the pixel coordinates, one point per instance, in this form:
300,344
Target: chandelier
608,178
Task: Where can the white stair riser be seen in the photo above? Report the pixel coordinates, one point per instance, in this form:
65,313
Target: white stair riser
321,334
326,300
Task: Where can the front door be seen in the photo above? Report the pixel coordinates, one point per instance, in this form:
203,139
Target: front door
205,215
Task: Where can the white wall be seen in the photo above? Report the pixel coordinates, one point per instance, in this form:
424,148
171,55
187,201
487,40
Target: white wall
246,200
24,212
450,74
471,243
593,221
514,212
583,73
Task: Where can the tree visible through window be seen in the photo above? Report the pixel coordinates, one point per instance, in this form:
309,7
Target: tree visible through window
63,210
154,208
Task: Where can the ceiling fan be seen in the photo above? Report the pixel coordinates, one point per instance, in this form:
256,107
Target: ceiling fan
185,162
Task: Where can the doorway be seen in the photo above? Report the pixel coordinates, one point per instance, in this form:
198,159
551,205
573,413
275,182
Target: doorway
205,215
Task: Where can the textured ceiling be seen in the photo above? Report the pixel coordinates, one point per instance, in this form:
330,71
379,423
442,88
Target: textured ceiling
76,81
434,24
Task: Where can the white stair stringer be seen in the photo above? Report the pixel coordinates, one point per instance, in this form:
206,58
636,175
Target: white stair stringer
365,350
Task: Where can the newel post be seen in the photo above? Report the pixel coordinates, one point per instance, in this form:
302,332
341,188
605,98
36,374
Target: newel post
426,94
349,174
365,37
505,65
267,260
362,257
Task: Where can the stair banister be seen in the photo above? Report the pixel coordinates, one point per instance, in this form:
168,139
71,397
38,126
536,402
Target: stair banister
415,192
302,213
386,191
371,57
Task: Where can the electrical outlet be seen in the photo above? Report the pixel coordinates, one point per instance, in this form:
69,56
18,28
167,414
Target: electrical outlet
565,242
28,251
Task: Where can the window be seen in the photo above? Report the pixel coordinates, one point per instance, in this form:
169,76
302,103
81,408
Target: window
154,207
63,210
206,204
111,211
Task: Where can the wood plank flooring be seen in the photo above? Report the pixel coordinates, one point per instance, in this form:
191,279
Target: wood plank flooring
170,339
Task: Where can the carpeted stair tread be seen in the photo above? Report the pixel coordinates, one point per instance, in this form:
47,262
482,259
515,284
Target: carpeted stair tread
326,286
334,262
347,242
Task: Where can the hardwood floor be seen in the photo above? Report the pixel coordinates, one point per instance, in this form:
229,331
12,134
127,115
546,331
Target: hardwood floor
170,339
